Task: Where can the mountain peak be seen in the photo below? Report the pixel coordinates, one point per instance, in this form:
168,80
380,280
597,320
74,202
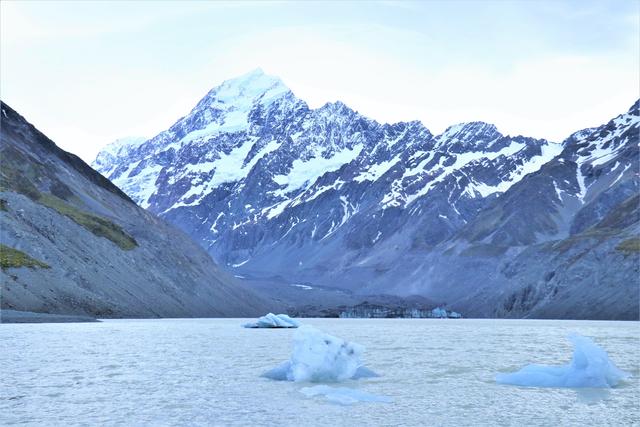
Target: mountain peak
252,86
468,131
635,108
118,148
336,107
226,107
127,141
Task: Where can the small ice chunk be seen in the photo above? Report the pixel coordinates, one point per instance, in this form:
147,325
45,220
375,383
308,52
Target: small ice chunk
342,395
280,372
273,321
590,367
438,312
320,357
364,372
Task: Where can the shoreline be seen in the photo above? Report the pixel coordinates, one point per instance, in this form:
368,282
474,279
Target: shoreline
15,316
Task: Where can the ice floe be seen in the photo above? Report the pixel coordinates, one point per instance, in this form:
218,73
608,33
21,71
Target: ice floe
342,395
320,357
590,367
273,321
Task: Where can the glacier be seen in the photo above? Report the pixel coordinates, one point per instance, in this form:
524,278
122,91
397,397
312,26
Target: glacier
343,395
320,357
590,367
273,321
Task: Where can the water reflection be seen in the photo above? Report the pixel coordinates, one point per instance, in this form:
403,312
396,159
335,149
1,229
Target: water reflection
591,396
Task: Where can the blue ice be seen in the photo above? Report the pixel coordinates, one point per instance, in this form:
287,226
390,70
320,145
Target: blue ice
342,395
590,367
320,357
273,321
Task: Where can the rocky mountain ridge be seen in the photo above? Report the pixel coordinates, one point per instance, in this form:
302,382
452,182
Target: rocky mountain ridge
73,243
326,196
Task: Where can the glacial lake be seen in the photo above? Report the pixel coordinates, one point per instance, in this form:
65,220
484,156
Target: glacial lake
436,372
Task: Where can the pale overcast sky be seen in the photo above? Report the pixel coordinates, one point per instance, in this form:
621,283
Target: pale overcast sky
86,73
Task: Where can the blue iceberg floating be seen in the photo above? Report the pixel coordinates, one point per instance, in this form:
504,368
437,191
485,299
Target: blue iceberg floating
273,321
320,357
590,367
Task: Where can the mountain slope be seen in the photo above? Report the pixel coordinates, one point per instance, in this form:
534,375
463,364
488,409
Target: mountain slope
275,190
563,242
73,243
266,184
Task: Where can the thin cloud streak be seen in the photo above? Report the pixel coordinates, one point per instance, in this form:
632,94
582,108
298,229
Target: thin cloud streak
88,73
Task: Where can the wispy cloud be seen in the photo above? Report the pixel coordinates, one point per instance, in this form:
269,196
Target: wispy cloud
94,71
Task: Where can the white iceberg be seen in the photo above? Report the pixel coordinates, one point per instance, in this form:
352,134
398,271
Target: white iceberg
342,395
320,357
590,367
273,321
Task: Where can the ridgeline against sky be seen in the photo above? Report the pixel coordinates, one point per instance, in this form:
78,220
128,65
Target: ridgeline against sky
88,73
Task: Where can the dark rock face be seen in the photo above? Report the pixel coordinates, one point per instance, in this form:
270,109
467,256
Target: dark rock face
271,187
90,249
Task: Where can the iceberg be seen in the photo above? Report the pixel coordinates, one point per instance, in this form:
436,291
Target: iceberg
439,313
342,395
590,367
273,321
320,357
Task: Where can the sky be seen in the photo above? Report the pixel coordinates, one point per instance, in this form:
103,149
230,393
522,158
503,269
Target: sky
87,73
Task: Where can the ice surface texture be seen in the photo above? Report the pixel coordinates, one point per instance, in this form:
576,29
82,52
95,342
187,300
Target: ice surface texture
590,367
342,395
273,321
320,357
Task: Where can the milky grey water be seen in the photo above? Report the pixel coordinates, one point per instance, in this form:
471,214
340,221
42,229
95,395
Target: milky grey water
207,372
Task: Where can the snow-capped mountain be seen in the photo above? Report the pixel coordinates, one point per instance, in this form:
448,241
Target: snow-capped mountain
595,172
271,187
120,148
561,243
243,168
